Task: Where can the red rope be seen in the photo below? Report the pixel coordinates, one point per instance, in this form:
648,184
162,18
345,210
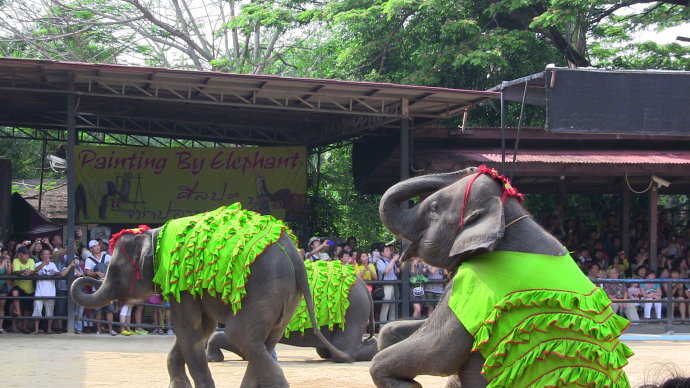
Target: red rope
508,189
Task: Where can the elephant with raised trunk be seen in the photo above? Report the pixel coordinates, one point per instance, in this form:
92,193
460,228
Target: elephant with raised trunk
229,265
346,334
518,311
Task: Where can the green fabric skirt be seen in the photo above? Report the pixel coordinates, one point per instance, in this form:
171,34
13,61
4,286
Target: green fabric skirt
213,252
329,283
539,322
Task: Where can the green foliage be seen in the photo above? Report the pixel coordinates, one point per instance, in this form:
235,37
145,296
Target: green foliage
335,208
25,156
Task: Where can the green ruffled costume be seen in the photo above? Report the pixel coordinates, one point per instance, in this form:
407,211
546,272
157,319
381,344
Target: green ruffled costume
539,322
329,283
213,252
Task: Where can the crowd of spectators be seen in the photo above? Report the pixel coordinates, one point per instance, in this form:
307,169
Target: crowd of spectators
45,298
382,262
599,252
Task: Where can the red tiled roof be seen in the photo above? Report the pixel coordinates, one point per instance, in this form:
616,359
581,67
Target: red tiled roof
589,157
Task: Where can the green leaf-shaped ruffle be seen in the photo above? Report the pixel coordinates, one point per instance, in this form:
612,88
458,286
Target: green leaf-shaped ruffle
557,327
213,251
329,283
580,377
571,353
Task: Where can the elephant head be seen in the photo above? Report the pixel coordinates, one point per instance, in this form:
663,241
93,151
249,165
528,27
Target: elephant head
463,215
129,276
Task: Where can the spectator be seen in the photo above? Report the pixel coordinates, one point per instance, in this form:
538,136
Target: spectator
674,249
417,281
45,288
126,319
64,265
5,269
678,291
335,251
618,292
683,268
56,243
651,291
388,270
434,289
593,273
620,262
641,272
22,266
96,266
364,269
634,293
352,243
318,249
346,258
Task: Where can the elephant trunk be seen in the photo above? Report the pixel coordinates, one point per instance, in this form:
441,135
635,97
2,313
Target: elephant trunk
100,298
402,221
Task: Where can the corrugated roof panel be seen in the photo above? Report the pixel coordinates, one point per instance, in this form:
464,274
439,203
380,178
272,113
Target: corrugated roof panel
588,157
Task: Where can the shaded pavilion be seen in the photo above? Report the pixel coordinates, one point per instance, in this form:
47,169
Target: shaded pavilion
80,103
544,161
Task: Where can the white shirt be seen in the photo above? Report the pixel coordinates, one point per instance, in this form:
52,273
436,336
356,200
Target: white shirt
45,287
90,264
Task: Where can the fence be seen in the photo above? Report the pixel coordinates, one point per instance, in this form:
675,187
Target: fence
402,301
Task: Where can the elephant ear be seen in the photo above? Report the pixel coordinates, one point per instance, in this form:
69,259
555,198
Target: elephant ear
484,225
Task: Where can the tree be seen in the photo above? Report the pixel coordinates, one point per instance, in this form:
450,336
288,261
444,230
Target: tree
477,44
227,35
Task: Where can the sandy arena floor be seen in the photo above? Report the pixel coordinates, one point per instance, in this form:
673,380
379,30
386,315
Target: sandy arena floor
69,361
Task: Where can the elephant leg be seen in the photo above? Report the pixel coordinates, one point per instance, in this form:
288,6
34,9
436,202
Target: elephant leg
216,342
397,331
439,347
176,369
367,350
254,339
192,327
323,353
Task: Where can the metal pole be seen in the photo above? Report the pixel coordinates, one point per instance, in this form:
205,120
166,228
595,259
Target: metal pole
5,199
404,174
626,221
40,183
71,141
653,219
503,136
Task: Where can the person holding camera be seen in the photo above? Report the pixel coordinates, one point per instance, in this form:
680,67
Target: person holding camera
96,266
388,270
318,249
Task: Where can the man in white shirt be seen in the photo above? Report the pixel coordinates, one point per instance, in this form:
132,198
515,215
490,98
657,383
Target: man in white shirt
96,265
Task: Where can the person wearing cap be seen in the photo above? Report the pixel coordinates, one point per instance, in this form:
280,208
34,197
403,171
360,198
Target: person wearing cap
96,265
318,249
22,265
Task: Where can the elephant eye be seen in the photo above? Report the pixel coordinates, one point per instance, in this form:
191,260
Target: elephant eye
433,206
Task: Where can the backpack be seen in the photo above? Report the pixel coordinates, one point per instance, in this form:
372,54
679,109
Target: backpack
100,265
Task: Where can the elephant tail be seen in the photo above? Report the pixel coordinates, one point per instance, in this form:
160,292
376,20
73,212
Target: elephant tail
303,284
372,320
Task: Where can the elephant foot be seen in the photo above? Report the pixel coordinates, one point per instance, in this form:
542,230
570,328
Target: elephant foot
214,355
323,353
180,383
396,383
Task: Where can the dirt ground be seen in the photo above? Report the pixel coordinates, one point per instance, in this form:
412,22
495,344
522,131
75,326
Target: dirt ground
70,360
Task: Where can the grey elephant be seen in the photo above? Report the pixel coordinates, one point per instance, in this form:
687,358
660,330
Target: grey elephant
345,334
229,265
518,311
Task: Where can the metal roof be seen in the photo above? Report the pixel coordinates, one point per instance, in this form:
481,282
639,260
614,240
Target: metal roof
581,157
214,106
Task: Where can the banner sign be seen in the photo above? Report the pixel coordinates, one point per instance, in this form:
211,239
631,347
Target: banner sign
152,185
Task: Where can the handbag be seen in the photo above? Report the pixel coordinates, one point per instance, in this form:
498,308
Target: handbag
378,293
418,291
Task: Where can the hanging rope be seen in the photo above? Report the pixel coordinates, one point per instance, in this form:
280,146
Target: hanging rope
633,190
517,135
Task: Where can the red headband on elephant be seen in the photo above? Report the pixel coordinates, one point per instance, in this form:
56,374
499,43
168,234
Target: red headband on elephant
141,229
508,189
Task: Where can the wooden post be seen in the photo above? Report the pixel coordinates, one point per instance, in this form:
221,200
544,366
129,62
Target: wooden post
5,199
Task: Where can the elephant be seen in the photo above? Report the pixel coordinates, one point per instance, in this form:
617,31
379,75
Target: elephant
517,312
349,339
255,306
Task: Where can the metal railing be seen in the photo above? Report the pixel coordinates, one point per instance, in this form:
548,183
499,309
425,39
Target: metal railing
668,303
